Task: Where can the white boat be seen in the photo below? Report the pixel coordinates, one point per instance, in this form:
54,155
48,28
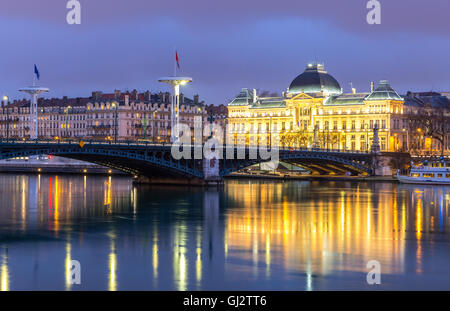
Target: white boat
436,174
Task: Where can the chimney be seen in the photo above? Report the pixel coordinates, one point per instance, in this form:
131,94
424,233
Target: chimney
371,86
96,95
195,99
117,94
127,99
353,90
134,95
254,95
148,95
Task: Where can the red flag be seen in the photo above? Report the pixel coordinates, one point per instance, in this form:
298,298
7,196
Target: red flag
176,58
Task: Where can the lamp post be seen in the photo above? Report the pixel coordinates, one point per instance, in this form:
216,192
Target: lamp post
175,82
211,123
115,106
270,131
67,120
365,131
6,100
328,138
34,91
144,126
407,140
419,130
154,124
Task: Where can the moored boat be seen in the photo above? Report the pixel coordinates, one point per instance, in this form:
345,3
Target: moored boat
434,174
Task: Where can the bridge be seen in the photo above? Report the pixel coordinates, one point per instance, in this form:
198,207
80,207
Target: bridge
154,163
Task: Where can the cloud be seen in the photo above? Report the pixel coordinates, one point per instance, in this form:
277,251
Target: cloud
224,46
429,16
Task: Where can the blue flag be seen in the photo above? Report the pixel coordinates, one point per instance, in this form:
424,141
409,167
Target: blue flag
36,72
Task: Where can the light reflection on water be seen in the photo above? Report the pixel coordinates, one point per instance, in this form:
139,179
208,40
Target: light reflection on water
249,235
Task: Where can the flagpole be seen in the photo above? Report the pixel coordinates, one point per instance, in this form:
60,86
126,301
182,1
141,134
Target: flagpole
175,63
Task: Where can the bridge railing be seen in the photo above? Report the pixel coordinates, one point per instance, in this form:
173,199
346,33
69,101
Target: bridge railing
78,141
149,143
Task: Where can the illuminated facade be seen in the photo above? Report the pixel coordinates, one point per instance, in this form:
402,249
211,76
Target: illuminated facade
314,112
120,115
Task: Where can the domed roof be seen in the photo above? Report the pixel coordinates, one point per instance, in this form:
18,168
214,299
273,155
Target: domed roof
315,79
384,92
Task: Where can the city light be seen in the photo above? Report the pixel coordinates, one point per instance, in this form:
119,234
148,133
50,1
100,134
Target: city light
219,152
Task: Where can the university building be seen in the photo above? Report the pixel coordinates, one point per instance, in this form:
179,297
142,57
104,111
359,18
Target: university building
314,112
119,115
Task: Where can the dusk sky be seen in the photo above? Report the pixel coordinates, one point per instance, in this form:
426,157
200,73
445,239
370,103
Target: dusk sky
223,45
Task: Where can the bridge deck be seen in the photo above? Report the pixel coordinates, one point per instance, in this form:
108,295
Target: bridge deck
156,159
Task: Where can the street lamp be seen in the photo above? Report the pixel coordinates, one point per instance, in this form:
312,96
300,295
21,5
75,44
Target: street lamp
270,130
154,124
366,134
144,123
407,139
115,106
67,120
328,137
419,130
6,101
211,123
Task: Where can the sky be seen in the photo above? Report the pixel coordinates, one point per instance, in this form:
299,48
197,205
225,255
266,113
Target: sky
223,45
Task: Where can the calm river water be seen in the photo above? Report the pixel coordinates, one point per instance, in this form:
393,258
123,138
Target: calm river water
247,235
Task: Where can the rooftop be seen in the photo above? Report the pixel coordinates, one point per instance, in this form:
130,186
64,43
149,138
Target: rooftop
384,92
98,97
315,79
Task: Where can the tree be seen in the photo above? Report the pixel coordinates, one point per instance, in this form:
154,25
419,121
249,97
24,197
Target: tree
302,138
294,139
286,139
431,120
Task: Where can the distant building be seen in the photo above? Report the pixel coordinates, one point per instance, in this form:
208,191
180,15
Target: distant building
119,115
219,115
446,94
314,112
416,104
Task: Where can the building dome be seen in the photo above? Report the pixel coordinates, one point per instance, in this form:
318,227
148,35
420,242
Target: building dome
315,79
384,92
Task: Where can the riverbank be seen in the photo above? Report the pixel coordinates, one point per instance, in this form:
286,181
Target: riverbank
275,176
45,168
58,165
55,165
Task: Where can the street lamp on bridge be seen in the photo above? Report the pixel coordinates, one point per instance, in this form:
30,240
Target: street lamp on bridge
406,147
6,101
175,82
67,120
154,124
34,91
115,106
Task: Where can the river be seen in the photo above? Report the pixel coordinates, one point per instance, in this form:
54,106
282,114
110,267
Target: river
246,235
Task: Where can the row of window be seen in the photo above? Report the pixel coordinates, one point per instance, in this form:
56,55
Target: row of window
363,125
236,127
431,175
